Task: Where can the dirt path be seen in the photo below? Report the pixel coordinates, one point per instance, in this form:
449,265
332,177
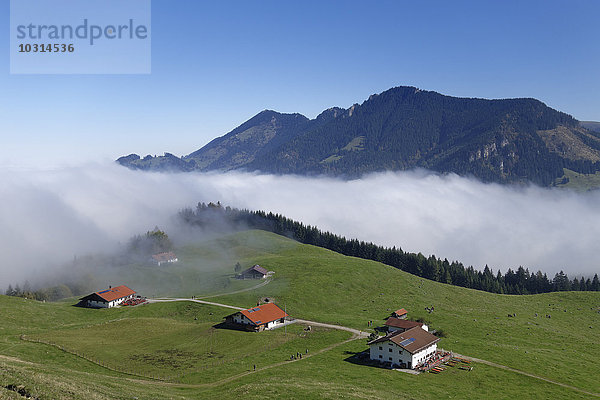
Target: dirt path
356,332
15,359
359,334
355,336
492,364
266,281
164,300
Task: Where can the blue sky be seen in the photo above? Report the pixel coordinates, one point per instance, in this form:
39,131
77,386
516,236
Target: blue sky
216,64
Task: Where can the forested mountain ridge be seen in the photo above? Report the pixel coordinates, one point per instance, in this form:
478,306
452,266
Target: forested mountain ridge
508,140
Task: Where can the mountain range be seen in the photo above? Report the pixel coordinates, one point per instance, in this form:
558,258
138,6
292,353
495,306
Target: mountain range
504,140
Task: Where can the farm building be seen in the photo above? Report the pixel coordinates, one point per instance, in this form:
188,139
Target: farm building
404,349
394,324
162,258
259,318
111,297
255,272
401,313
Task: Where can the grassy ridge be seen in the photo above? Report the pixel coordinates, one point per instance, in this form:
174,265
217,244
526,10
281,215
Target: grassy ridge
314,284
580,182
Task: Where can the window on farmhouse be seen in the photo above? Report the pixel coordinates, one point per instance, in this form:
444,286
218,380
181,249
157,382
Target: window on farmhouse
380,356
390,350
380,348
390,358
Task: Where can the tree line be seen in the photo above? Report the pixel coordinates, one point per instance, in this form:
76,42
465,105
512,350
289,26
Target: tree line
139,249
519,281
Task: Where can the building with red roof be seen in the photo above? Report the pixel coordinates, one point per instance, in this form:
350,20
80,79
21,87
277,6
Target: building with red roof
398,324
263,317
401,313
111,297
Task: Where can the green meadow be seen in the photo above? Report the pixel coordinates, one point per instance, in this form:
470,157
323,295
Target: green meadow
178,350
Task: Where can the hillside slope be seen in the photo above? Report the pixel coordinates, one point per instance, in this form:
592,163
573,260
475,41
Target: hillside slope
320,285
509,140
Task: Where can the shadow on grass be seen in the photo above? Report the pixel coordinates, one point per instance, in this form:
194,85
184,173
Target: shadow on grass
362,358
232,327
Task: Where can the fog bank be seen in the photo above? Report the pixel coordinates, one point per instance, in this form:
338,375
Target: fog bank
49,217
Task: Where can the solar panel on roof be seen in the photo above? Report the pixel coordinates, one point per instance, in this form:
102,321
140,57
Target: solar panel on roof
258,322
407,342
104,291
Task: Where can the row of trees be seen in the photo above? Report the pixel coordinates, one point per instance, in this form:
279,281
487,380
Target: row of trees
47,294
519,281
139,248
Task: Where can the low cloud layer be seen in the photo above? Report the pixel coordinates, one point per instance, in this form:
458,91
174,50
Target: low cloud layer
48,217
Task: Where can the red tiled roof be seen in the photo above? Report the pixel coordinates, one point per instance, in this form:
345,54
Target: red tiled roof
412,340
264,313
115,293
164,257
400,312
401,323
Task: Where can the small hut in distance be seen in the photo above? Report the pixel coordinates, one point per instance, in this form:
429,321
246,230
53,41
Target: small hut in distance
255,272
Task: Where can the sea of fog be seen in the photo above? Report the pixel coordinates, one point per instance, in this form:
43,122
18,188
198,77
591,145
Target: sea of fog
49,216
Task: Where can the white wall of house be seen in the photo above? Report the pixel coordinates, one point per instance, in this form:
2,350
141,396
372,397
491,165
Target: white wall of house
422,355
104,304
390,352
275,323
240,318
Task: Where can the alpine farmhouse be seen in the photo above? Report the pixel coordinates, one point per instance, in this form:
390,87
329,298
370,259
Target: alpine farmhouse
264,317
398,324
111,297
255,272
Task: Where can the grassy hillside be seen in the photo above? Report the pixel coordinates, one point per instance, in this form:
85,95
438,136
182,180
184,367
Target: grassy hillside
579,182
177,341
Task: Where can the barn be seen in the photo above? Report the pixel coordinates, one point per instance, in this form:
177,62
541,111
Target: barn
255,272
264,317
404,349
162,258
398,324
111,297
400,313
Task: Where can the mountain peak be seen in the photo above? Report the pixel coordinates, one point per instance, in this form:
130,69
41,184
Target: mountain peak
501,140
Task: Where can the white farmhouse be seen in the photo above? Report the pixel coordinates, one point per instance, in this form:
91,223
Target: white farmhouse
111,297
404,349
259,318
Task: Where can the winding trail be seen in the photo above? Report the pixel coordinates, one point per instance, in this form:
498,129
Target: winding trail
493,364
165,300
265,282
356,334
